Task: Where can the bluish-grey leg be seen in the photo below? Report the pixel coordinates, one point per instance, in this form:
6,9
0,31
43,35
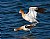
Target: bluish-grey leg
30,32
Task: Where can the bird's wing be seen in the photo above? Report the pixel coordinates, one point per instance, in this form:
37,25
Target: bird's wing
33,14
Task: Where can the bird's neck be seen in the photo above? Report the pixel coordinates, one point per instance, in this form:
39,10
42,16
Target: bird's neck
23,14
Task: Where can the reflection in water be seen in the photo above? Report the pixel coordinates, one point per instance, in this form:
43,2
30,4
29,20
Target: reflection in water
26,27
27,35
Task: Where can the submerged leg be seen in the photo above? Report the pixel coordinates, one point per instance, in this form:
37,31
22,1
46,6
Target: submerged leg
30,32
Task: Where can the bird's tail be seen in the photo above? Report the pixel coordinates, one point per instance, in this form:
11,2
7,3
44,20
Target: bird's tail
40,10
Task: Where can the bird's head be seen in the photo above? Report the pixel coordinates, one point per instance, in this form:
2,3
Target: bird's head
21,11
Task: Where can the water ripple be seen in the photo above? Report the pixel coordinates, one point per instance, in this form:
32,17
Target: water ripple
10,19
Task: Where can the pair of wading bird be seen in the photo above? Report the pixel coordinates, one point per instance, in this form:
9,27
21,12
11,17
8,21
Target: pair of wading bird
31,16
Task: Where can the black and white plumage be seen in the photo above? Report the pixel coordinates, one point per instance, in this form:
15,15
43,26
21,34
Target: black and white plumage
31,16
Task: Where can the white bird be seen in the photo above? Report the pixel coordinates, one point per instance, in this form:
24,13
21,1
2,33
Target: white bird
32,14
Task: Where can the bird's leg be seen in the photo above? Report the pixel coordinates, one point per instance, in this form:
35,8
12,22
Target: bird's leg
30,32
37,21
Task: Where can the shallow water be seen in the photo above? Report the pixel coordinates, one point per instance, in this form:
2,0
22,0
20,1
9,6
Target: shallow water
10,19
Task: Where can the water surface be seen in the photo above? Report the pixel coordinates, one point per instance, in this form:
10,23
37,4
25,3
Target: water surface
10,19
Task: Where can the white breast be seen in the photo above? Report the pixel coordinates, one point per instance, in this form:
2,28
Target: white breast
27,17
